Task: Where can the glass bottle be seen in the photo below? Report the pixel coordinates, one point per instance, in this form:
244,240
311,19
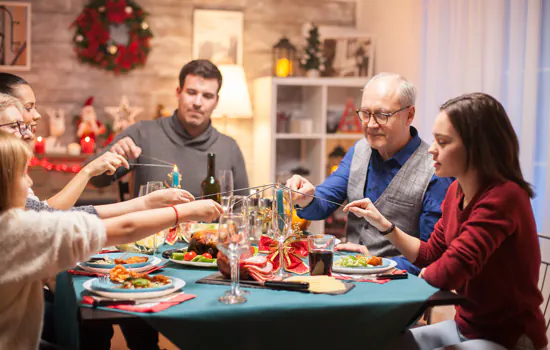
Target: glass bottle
210,187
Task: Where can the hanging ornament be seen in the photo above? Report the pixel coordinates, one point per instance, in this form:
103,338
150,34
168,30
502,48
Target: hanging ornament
123,115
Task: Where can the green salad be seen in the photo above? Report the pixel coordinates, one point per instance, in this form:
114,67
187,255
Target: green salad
353,261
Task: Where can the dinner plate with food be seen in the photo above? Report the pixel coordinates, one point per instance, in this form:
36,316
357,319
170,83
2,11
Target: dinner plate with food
127,284
108,261
361,264
104,268
201,252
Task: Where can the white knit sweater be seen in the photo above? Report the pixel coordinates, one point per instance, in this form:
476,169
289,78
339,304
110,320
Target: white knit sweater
35,246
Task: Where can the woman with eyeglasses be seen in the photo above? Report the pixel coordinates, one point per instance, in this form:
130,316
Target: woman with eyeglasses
19,88
11,117
485,246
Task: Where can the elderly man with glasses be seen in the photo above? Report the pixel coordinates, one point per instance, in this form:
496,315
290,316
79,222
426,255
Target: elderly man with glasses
391,166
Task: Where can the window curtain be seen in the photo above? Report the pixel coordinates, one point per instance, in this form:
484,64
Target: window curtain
502,48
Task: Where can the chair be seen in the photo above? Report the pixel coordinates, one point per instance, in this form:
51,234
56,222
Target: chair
544,278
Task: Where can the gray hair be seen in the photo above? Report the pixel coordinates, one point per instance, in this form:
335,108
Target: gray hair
8,101
407,91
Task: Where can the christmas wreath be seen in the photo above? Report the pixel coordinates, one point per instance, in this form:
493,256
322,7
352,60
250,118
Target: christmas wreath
112,34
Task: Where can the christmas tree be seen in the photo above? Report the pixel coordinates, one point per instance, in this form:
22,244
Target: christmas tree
312,57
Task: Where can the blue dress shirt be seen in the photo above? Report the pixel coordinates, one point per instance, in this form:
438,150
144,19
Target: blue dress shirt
379,176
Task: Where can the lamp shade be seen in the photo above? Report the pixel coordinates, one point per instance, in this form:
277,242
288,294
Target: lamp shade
234,98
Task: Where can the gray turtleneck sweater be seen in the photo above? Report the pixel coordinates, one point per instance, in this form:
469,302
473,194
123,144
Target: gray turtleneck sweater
166,139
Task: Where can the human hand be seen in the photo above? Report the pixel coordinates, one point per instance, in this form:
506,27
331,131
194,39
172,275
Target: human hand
205,210
107,162
365,208
421,274
300,184
166,198
127,148
353,247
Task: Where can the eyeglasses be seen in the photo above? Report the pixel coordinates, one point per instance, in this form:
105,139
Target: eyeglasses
379,117
23,128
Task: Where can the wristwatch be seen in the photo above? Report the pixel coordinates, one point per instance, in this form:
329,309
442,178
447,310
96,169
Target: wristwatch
388,231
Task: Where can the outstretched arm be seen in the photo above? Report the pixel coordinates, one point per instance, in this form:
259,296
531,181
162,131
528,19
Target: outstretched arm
67,197
154,200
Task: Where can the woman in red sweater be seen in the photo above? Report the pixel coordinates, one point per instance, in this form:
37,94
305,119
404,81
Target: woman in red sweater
485,245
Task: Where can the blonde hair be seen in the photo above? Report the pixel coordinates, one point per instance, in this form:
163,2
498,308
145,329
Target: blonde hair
9,101
14,156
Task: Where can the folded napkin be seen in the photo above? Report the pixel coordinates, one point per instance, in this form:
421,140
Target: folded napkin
368,278
149,307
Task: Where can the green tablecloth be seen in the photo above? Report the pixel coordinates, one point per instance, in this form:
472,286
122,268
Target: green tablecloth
368,316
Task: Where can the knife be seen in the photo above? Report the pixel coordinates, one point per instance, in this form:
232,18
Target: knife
100,301
281,285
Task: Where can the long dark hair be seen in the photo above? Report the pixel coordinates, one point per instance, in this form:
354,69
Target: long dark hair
491,143
8,83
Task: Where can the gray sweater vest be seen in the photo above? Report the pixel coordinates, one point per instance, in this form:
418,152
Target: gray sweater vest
400,203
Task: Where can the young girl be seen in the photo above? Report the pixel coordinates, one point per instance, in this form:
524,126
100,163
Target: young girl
37,245
485,245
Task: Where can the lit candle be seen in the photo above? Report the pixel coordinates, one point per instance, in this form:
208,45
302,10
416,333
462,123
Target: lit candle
175,177
39,145
88,145
283,67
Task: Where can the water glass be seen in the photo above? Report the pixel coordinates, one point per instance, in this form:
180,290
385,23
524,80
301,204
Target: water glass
233,241
320,254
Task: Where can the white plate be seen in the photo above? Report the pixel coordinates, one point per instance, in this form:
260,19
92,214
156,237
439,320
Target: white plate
195,263
364,270
178,284
153,262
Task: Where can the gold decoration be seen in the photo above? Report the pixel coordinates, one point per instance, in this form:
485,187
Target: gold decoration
144,25
128,9
101,9
123,115
79,38
112,49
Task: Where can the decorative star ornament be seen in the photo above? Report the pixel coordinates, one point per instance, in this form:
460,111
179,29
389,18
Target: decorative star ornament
123,115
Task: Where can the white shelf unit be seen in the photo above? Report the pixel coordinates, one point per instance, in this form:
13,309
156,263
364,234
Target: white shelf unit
322,100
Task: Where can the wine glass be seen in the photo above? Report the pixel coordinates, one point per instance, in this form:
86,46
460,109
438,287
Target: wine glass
159,237
281,221
233,241
240,206
226,187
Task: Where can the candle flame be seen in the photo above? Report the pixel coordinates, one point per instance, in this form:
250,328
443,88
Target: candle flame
87,139
39,139
175,168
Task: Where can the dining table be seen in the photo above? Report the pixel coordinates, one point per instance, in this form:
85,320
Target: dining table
369,316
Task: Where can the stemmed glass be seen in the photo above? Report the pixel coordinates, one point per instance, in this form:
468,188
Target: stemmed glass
226,187
153,186
281,221
233,241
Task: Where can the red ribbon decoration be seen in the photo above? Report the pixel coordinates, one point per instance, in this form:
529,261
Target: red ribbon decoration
295,249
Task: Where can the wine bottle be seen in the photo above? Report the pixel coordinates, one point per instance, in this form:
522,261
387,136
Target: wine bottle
210,187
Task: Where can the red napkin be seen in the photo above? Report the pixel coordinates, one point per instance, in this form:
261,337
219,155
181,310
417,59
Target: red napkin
106,251
153,307
373,280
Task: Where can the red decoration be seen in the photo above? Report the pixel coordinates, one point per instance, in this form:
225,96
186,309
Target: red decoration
39,145
88,145
34,162
349,122
94,45
295,249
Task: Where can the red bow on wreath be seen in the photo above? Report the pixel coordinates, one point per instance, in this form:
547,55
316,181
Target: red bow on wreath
295,249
